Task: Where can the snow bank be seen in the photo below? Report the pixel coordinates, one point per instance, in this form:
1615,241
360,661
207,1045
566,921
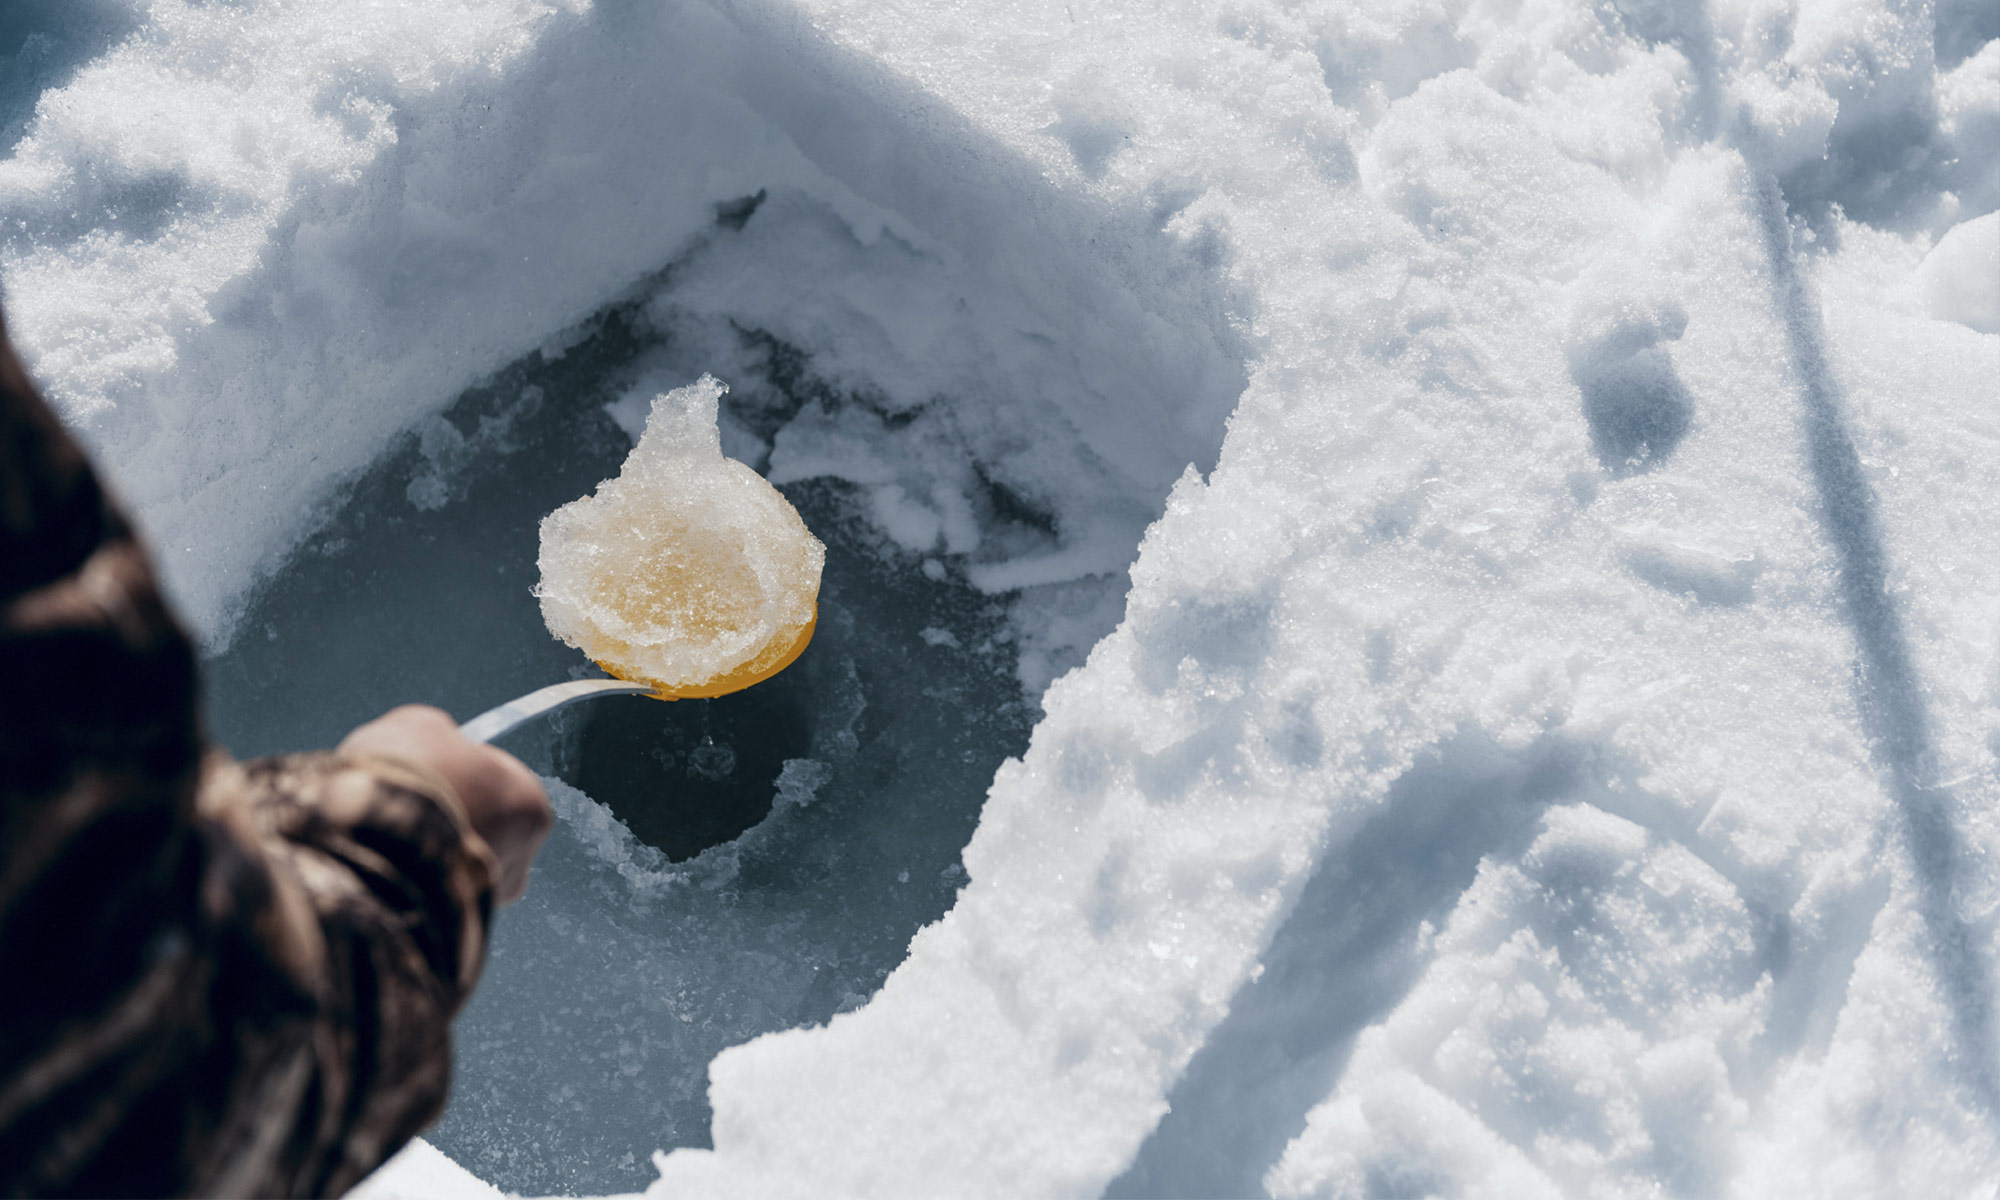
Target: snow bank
248,246
1559,731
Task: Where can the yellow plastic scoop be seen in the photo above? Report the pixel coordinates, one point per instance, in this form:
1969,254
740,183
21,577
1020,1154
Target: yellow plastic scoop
687,572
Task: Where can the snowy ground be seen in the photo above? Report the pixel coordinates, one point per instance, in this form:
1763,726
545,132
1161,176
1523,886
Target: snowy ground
1549,742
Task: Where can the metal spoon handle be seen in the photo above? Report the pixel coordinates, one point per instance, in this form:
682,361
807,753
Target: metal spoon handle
494,722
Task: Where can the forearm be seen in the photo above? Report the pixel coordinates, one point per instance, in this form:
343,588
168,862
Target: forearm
382,894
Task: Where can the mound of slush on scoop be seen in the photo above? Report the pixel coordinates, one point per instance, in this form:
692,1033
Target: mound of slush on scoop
688,571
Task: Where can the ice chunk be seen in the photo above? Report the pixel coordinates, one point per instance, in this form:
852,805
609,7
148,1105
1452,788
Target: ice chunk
687,571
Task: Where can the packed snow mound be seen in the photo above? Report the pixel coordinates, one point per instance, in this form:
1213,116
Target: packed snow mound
1961,275
420,1171
688,571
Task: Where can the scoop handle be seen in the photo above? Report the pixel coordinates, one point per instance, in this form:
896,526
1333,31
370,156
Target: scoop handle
496,721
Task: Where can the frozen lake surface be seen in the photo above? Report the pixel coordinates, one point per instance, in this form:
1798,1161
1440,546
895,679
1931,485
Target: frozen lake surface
1417,595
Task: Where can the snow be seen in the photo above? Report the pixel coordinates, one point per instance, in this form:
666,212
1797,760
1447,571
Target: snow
1961,275
1548,749
421,1172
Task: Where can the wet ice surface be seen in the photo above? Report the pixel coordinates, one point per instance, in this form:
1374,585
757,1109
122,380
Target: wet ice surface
789,838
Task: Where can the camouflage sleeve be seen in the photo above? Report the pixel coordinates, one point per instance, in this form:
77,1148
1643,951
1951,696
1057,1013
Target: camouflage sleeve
388,894
215,979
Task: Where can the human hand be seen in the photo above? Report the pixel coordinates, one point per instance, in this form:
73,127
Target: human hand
503,799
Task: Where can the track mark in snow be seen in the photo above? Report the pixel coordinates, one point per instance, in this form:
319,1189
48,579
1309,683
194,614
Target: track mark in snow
1890,695
1354,945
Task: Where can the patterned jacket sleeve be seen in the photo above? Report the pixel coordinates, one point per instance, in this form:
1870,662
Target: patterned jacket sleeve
216,978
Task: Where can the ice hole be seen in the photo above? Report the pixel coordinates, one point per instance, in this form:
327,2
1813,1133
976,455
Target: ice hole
694,774
399,343
721,868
